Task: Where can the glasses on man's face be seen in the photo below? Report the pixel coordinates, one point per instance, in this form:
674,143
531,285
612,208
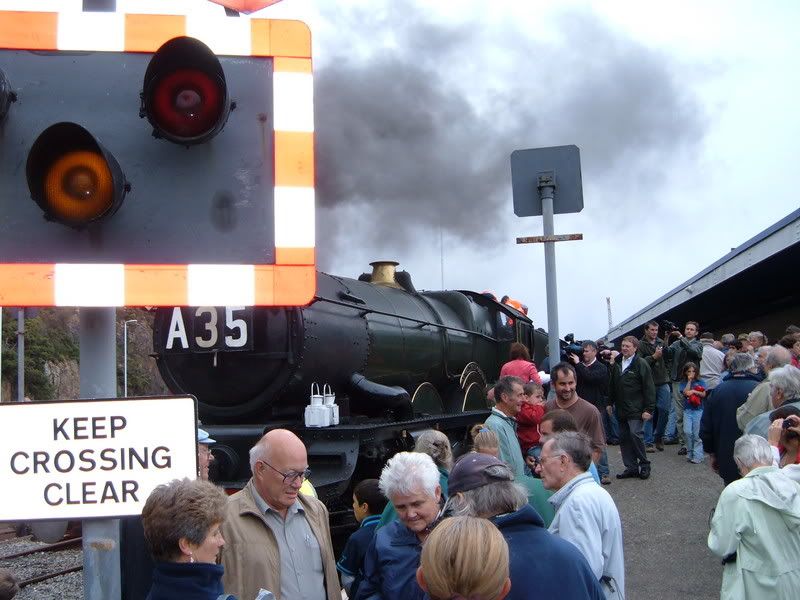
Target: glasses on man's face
290,476
539,461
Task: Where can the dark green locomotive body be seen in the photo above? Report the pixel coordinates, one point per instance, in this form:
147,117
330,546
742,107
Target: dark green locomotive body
398,360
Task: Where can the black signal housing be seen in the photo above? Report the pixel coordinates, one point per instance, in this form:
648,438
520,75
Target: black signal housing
185,95
7,96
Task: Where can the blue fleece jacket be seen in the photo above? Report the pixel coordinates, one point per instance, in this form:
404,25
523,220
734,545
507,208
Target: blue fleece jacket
543,566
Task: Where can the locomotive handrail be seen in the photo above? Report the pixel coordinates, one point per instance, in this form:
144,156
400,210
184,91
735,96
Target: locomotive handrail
366,311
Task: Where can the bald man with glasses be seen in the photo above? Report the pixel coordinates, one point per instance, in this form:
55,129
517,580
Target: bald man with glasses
276,538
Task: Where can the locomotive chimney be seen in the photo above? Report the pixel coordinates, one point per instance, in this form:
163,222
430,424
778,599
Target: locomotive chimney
383,273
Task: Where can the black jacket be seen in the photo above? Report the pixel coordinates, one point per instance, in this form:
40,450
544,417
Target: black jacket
187,581
718,427
592,384
632,392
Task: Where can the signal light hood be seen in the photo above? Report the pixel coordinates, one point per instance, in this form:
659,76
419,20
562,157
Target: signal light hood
73,178
7,96
184,95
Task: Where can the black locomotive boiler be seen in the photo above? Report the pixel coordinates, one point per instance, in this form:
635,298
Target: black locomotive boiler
399,361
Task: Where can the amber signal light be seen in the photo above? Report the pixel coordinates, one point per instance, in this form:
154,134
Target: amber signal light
73,178
184,95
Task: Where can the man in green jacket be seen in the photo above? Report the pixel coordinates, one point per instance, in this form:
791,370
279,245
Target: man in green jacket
687,348
633,394
508,394
651,349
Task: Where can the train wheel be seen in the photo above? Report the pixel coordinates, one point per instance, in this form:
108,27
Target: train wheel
426,400
475,397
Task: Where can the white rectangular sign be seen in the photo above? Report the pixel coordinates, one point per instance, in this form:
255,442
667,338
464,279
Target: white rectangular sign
92,458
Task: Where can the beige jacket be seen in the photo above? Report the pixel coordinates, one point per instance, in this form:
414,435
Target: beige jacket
758,402
251,557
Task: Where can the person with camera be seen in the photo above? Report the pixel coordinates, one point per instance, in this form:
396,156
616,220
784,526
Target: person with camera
687,348
651,349
784,390
783,435
592,386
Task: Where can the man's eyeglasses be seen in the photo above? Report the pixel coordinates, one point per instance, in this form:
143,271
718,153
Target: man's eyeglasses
540,460
290,476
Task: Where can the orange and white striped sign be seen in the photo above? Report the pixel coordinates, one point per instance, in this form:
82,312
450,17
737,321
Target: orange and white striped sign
291,280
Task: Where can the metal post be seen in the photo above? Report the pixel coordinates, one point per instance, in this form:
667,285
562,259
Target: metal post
21,355
546,190
98,374
125,356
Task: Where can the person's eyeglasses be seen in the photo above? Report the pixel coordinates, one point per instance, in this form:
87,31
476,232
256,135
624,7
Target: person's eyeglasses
539,462
290,476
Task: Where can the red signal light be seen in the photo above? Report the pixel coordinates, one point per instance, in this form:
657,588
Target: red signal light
72,178
6,95
185,96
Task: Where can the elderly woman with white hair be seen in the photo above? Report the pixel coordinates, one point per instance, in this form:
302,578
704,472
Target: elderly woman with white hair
436,445
411,481
756,527
784,390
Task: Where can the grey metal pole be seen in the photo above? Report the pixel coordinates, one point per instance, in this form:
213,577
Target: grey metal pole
125,356
21,355
546,190
98,374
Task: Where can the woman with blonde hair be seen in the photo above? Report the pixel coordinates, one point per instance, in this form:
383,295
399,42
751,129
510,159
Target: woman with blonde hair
484,440
182,526
465,558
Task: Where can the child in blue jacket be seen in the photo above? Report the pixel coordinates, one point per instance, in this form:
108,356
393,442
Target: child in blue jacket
368,504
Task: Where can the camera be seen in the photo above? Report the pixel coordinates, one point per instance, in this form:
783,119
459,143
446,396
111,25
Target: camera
570,346
668,326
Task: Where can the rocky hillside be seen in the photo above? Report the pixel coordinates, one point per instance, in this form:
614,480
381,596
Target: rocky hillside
52,353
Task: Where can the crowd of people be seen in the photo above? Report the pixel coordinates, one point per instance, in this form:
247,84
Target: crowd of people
525,513
734,402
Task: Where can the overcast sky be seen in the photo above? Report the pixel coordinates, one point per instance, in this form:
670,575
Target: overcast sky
685,114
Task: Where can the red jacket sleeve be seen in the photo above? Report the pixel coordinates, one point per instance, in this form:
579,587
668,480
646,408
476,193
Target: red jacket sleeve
530,414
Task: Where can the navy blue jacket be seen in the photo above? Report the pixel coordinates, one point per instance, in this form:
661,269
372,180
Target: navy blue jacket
390,566
187,581
718,427
544,566
352,560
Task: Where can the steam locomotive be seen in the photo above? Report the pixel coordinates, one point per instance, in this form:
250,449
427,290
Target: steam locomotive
399,361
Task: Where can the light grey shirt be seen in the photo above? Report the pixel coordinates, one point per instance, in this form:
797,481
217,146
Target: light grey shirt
711,366
302,576
587,517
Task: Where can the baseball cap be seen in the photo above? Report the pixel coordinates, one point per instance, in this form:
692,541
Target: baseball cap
203,437
470,472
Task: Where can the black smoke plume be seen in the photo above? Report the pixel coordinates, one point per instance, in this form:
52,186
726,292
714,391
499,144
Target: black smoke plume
416,121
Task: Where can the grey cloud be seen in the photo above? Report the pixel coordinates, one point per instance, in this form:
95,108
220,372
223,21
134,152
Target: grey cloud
417,133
